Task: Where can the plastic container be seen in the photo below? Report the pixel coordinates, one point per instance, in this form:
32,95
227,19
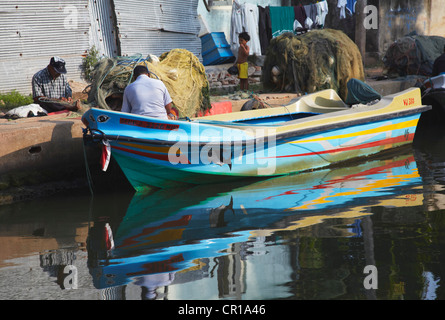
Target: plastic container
215,49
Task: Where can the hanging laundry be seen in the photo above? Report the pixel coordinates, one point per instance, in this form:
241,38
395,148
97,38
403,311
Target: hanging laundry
300,14
311,13
236,26
298,28
351,6
251,26
264,28
322,12
342,5
348,5
282,20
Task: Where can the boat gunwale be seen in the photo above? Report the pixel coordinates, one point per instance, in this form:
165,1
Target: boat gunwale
284,135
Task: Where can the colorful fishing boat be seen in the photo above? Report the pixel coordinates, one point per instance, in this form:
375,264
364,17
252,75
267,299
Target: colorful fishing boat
315,131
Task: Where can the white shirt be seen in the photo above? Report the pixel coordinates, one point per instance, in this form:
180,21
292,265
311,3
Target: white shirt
146,96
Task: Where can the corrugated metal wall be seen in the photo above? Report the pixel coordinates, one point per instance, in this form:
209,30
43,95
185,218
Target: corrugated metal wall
154,27
32,31
103,33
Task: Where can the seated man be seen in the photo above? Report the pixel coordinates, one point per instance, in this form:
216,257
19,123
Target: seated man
147,96
51,83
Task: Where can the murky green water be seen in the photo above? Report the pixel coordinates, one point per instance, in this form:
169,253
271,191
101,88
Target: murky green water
306,236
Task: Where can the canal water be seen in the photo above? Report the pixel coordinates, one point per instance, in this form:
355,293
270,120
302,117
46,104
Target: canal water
371,230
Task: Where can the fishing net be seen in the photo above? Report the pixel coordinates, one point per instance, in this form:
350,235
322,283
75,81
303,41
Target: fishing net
180,70
314,61
413,55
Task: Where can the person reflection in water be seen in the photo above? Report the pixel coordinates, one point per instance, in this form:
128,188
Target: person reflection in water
150,283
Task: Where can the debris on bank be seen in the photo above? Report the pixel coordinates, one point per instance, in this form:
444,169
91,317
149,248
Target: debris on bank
413,55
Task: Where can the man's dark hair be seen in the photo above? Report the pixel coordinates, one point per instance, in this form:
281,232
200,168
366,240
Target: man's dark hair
140,70
245,36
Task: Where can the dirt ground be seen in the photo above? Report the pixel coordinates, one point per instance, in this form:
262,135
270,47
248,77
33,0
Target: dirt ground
79,90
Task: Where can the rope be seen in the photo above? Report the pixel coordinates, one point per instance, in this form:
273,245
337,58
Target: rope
87,169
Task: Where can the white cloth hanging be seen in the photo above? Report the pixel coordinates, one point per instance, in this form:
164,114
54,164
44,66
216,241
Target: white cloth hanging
251,17
236,26
324,10
308,23
342,5
297,25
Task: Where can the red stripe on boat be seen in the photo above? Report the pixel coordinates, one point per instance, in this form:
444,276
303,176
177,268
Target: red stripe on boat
163,157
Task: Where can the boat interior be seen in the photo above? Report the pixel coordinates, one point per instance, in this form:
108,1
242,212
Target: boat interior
322,102
318,109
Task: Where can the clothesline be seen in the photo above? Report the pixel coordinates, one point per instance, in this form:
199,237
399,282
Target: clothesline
265,23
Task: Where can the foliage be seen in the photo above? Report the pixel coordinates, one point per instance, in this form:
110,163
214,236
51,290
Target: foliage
89,62
13,100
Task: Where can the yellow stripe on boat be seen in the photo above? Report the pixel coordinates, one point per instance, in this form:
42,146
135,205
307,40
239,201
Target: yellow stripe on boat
393,104
397,126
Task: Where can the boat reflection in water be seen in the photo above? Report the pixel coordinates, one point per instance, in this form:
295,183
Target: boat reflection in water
178,230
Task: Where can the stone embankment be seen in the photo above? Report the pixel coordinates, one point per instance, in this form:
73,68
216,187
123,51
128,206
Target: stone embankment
38,150
221,82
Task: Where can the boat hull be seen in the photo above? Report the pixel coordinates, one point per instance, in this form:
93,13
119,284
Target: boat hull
163,153
290,155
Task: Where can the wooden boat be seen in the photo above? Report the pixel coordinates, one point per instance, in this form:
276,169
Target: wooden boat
316,131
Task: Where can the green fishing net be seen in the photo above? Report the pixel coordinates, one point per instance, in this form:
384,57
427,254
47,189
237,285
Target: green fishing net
314,61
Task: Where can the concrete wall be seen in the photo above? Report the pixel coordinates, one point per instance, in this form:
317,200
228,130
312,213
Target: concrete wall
399,18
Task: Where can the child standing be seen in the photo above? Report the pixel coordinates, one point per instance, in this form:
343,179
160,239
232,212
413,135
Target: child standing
243,66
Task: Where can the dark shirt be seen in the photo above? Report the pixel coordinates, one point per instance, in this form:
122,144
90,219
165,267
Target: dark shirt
264,28
439,65
300,14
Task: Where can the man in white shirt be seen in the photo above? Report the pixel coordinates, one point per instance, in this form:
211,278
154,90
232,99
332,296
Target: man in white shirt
147,96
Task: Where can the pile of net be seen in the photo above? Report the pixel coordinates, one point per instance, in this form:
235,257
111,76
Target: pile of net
180,70
413,55
314,61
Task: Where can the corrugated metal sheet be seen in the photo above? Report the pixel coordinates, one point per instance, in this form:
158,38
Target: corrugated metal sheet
33,31
154,27
103,33
158,42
